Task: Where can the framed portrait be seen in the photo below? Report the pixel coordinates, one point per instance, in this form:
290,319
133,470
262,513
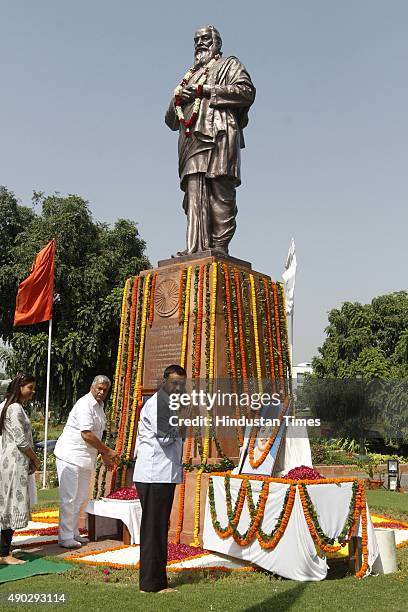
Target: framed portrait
271,424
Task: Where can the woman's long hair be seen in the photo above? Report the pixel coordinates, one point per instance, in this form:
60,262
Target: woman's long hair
13,393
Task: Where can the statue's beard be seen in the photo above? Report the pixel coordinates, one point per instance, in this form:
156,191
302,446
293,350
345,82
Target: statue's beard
203,57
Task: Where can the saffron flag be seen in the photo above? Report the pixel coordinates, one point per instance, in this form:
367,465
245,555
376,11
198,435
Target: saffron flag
289,277
35,293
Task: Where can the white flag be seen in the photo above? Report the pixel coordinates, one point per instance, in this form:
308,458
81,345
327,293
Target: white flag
289,277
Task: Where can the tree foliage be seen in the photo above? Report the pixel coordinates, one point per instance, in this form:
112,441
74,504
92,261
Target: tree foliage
367,342
366,339
92,262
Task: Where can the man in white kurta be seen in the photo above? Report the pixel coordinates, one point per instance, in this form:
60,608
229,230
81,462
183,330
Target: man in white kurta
76,451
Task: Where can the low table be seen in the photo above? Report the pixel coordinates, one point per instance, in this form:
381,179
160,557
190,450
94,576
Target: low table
295,555
127,515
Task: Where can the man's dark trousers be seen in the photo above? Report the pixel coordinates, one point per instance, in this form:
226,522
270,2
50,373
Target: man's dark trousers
156,500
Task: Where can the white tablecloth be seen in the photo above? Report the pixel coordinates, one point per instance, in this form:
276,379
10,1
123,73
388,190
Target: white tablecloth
295,555
130,513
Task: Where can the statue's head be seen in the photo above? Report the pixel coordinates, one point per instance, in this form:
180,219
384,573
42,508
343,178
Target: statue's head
207,44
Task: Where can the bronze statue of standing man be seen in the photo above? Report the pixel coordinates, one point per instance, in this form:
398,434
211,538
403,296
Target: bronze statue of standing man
210,110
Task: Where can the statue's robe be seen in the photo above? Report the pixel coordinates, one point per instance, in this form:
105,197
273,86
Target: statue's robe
209,159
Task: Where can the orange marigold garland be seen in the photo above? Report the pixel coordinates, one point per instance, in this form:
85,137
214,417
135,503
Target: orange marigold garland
151,313
138,383
197,362
269,328
364,536
231,346
278,337
330,548
182,489
209,377
241,330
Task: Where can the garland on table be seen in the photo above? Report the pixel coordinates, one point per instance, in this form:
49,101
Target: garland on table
188,124
269,541
256,512
209,376
323,541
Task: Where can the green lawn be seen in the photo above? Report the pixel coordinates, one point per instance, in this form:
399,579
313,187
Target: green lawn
204,590
389,503
47,498
199,591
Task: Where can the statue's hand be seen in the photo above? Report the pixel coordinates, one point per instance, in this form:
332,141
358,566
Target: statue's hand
188,93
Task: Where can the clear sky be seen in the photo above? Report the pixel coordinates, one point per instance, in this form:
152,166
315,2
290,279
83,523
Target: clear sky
85,85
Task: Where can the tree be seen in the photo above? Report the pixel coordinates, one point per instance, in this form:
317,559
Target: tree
92,262
361,372
368,340
14,219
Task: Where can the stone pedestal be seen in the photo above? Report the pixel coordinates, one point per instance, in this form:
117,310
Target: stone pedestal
237,336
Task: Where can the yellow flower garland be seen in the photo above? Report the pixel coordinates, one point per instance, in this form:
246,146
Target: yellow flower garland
139,369
206,445
120,348
186,315
256,335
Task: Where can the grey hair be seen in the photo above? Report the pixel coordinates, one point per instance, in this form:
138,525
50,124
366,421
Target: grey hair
216,36
101,379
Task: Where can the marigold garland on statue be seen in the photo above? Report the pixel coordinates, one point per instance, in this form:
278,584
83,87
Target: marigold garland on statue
278,338
183,278
247,326
138,384
117,405
269,329
186,317
241,330
151,314
230,344
256,335
209,376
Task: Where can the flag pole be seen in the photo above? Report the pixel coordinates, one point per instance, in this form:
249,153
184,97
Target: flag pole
47,399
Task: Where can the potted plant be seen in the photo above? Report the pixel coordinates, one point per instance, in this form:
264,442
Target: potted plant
371,467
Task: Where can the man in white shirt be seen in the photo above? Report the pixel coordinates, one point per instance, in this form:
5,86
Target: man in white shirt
76,451
159,451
